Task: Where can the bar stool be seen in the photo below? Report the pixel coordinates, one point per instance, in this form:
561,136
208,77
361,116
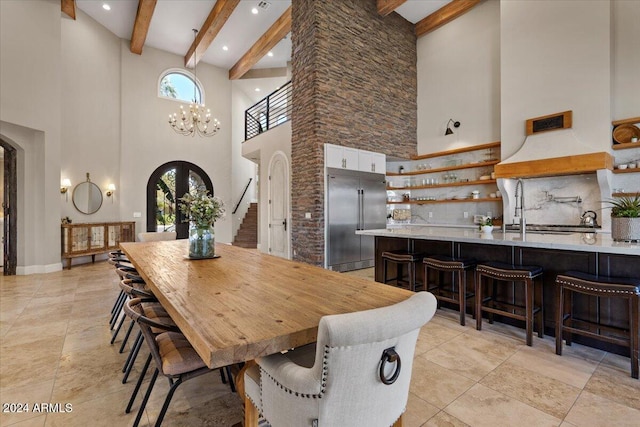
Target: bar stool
600,286
458,267
505,273
401,258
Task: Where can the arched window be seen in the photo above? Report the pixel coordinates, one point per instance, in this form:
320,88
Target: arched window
179,84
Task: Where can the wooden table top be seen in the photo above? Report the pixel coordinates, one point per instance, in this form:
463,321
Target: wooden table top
245,304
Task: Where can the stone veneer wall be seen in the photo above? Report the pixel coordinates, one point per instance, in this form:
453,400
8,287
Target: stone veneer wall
355,85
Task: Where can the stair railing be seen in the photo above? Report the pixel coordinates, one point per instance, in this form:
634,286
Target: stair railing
271,111
242,197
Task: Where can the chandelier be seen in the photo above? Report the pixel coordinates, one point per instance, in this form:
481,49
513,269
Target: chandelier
197,118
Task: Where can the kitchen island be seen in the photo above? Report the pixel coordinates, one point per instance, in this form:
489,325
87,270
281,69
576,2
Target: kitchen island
594,253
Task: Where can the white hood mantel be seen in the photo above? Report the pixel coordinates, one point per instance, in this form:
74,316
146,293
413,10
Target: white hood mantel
553,153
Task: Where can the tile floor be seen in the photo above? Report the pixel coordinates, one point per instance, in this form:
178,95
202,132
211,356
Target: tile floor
54,349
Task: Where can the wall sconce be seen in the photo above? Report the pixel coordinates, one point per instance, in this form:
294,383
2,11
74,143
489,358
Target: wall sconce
64,188
110,189
455,125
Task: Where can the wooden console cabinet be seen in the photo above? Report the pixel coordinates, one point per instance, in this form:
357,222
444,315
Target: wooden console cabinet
94,238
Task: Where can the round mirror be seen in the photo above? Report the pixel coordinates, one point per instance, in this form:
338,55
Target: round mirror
87,197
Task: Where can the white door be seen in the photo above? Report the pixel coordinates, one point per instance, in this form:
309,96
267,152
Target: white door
279,205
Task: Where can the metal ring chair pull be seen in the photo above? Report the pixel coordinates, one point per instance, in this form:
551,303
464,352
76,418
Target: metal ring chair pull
390,355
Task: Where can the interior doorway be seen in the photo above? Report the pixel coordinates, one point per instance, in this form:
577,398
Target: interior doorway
166,185
279,224
8,213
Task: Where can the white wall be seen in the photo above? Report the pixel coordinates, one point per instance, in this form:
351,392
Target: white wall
555,56
90,112
459,77
30,119
625,90
76,100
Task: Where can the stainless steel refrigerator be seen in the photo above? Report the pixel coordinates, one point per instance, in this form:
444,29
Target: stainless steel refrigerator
355,201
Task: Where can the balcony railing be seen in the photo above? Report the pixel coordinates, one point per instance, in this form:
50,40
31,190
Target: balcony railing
268,113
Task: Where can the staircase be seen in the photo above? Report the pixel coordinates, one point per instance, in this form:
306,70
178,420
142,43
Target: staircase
247,236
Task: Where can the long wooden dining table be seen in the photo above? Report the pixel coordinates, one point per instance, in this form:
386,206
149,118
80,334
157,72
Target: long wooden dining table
245,304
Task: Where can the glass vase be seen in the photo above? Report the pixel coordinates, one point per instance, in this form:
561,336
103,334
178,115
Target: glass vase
202,241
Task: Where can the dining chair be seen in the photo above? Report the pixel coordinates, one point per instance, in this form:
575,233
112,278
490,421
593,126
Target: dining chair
156,236
172,353
357,374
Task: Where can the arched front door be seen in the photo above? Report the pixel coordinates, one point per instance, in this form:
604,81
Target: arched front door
166,185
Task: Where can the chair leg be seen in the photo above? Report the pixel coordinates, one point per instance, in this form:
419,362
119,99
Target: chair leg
540,314
146,398
165,406
116,308
568,302
232,385
134,355
135,344
115,333
126,336
138,384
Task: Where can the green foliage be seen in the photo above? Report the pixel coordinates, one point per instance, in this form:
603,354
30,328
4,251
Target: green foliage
625,207
167,89
200,207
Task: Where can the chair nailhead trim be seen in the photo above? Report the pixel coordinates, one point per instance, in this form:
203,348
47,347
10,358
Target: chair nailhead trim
594,288
507,275
323,380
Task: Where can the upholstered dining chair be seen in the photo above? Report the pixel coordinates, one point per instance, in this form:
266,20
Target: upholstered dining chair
357,374
156,236
172,353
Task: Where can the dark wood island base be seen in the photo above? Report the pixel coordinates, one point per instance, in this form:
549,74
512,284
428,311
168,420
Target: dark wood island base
606,259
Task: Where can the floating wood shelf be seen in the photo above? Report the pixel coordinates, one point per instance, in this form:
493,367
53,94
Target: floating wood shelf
626,145
457,151
627,170
625,194
425,202
630,121
455,184
445,169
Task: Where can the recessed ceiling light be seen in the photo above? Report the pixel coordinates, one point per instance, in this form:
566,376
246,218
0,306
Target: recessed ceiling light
106,6
270,53
254,11
257,89
225,48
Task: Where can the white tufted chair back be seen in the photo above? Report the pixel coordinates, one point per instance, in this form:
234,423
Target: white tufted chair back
339,383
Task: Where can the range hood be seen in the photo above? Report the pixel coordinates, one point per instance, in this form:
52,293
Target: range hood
551,148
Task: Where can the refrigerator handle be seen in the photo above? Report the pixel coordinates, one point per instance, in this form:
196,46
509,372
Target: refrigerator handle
361,210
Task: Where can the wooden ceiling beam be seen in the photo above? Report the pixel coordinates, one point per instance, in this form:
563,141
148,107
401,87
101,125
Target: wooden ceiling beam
265,43
141,25
218,16
385,7
68,7
445,14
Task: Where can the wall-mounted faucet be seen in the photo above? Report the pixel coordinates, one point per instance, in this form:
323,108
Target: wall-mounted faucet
519,213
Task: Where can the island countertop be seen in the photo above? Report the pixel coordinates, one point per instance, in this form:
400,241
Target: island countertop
583,242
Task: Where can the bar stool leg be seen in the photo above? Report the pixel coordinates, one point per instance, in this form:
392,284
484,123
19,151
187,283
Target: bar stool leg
633,330
568,301
528,284
384,271
540,299
462,295
559,318
478,301
412,277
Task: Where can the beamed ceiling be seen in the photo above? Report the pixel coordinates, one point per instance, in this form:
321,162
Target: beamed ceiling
248,37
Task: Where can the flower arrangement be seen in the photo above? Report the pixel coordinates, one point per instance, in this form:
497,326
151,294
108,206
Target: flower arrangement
201,208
